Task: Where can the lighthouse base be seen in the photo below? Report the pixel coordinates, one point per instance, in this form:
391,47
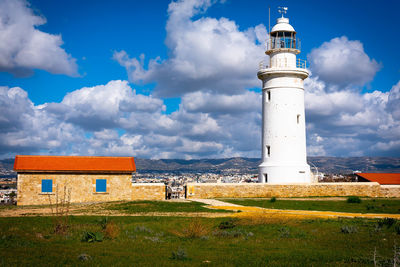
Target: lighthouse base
284,174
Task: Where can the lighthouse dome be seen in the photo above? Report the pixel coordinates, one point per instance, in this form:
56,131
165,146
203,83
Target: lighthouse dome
282,25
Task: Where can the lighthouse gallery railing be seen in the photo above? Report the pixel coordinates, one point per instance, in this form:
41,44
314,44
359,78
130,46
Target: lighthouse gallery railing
300,63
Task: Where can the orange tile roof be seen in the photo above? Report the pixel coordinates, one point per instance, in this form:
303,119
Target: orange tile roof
381,178
73,164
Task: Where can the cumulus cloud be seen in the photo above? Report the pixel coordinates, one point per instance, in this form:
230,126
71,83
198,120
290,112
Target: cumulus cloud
112,119
222,104
26,128
394,101
14,105
103,106
24,48
206,54
343,62
353,124
348,123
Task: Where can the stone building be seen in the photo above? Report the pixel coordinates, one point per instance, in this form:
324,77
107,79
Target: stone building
43,179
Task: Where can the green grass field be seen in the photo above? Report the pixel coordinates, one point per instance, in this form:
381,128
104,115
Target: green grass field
391,206
173,241
160,206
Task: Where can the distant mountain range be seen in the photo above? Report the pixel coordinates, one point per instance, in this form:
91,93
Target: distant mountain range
327,165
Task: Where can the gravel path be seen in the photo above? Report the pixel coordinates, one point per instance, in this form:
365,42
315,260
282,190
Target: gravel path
214,202
258,211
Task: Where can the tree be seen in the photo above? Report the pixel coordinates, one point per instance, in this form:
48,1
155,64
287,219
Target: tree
12,195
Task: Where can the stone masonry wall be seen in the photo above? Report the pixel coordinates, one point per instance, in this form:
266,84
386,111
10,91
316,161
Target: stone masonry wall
290,190
120,187
83,187
390,190
148,191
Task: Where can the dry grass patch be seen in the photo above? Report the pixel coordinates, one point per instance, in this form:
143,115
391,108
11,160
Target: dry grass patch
195,229
111,230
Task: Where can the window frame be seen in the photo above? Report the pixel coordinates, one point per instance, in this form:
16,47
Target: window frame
46,186
99,187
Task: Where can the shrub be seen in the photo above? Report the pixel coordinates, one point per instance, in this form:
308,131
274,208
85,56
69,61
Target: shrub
154,239
353,199
180,254
84,257
142,228
229,224
273,199
103,222
195,229
397,228
91,237
231,233
389,222
370,207
348,229
60,210
284,232
111,230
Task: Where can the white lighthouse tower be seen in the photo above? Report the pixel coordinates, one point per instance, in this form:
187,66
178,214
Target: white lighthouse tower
284,156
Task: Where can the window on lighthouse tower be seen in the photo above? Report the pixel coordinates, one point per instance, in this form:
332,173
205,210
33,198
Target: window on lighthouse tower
283,39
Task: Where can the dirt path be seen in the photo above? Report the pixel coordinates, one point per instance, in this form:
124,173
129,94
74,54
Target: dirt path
258,211
215,203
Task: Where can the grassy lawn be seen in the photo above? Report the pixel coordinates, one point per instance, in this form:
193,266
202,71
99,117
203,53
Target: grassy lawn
391,206
173,241
7,207
160,206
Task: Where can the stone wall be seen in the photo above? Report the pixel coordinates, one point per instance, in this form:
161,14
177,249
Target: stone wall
83,188
390,190
147,191
290,190
120,187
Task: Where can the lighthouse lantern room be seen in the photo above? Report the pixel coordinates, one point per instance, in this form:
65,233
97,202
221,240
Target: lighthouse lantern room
284,156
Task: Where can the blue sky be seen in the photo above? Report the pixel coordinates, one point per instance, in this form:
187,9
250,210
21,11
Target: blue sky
73,80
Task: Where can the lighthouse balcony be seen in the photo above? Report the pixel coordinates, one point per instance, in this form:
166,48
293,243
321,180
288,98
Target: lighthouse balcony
300,64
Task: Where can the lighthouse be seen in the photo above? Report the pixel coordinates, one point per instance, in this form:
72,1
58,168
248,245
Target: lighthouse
284,155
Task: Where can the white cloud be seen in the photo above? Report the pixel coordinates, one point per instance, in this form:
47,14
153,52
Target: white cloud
90,121
394,101
193,131
225,104
26,128
24,48
343,62
206,54
103,106
348,123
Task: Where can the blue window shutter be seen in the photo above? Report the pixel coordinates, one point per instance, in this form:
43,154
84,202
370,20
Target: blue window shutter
101,185
47,186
